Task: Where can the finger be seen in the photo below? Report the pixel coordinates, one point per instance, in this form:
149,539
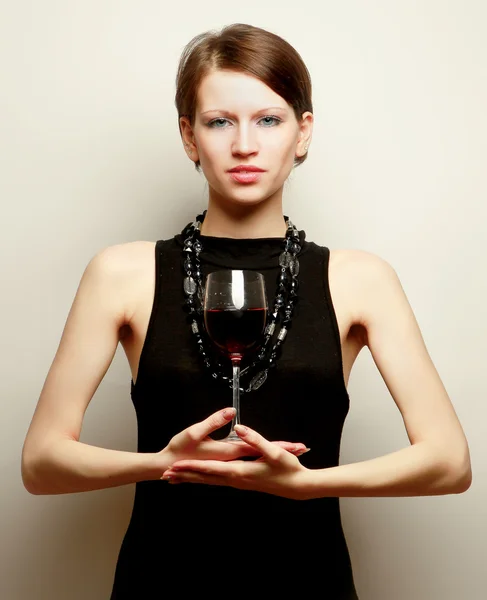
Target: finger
204,467
199,431
214,472
233,450
296,449
226,450
272,452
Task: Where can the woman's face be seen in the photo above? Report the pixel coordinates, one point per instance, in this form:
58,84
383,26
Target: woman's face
240,121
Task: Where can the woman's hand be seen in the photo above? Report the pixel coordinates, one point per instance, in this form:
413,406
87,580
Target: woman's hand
195,444
277,471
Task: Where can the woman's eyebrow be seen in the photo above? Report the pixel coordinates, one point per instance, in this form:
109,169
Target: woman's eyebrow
229,113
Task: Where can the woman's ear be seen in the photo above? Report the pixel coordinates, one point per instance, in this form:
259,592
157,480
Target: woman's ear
305,133
188,138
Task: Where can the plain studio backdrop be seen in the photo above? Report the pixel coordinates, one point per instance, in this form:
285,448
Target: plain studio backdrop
91,156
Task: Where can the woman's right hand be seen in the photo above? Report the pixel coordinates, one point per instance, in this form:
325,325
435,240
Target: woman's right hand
195,442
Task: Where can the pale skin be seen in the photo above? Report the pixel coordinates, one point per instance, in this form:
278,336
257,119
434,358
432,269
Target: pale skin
113,305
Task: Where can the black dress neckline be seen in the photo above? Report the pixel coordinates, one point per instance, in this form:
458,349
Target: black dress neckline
243,253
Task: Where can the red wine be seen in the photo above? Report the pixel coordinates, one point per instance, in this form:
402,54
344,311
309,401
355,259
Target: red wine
235,331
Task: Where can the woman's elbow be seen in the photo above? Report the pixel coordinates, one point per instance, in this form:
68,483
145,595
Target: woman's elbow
464,480
29,469
28,478
461,473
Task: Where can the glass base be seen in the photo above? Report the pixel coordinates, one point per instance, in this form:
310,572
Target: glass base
232,437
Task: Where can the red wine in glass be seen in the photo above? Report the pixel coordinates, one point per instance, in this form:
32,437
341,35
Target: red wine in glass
235,313
234,331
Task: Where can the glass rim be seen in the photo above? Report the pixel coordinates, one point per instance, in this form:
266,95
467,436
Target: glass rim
245,271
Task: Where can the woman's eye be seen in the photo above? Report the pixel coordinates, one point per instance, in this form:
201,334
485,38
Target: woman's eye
276,119
213,123
222,121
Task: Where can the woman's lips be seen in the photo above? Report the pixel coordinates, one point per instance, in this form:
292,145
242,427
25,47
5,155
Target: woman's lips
245,176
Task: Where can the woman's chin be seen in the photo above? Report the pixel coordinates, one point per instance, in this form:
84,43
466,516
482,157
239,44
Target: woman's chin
243,197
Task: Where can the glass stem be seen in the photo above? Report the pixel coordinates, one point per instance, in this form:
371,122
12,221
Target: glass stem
236,391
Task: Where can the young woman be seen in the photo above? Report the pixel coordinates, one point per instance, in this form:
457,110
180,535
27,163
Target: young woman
262,513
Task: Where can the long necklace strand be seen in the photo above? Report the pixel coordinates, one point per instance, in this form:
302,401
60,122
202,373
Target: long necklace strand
282,308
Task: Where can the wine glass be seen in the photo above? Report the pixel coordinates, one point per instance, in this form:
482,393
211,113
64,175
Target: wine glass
235,313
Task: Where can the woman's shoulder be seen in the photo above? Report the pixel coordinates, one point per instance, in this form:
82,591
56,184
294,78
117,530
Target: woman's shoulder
127,269
355,260
359,269
126,255
362,279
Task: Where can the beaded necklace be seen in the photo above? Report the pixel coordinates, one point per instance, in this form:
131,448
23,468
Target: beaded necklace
282,308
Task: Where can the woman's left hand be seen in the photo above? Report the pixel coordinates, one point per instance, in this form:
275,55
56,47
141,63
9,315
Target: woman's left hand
276,472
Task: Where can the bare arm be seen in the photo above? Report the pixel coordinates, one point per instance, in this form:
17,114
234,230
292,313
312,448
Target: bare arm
438,459
53,459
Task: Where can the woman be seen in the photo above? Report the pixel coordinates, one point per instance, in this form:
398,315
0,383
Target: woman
262,513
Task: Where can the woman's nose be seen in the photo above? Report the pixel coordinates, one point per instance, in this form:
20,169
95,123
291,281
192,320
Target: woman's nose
245,141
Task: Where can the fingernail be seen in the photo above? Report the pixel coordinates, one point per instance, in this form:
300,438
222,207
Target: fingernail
228,413
304,451
241,429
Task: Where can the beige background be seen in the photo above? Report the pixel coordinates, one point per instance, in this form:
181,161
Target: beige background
91,156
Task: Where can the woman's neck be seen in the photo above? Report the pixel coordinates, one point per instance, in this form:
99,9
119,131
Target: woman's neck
243,222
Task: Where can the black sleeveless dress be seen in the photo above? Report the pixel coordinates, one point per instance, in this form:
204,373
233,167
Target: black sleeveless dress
228,542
